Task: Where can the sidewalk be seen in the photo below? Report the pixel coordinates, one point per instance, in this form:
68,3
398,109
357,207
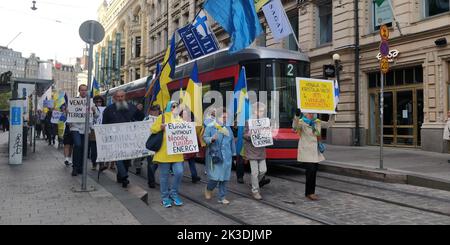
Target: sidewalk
39,192
412,164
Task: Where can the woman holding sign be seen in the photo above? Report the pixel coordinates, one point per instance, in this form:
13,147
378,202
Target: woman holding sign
309,150
219,156
165,161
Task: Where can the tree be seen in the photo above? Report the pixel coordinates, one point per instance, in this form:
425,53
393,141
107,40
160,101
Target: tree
4,101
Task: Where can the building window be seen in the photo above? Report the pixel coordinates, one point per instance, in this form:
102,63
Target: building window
291,43
137,74
397,77
122,56
138,47
325,22
435,7
382,14
261,40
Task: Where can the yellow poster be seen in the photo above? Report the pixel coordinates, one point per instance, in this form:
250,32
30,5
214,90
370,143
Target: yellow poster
260,3
315,95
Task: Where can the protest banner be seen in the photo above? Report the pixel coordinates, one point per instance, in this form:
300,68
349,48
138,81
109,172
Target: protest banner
181,138
122,141
315,95
76,111
260,132
49,104
56,115
99,119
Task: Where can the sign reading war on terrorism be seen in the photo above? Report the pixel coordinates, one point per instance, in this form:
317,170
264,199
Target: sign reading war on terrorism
315,95
260,132
122,141
76,111
181,138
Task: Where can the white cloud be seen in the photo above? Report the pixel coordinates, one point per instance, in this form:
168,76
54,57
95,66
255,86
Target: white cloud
51,31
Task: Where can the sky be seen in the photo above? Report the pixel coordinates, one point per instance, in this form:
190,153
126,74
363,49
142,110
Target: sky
51,31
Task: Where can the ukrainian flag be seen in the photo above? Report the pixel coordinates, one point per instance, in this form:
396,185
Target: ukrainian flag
193,96
95,88
167,73
242,109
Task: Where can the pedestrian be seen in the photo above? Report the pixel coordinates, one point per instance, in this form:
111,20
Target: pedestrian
169,191
42,119
309,128
447,130
5,122
38,124
99,102
77,131
190,157
219,156
120,112
155,111
51,128
256,155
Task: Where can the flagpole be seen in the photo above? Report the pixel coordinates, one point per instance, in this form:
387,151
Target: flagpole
395,19
293,33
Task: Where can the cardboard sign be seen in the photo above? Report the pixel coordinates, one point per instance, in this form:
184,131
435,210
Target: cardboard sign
316,96
99,119
260,132
122,141
181,138
76,110
56,115
49,104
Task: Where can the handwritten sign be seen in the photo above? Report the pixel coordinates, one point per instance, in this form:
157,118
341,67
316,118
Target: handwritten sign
122,141
76,111
315,95
56,116
260,132
181,138
49,104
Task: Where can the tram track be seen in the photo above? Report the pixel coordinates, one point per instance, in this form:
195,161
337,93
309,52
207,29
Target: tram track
401,204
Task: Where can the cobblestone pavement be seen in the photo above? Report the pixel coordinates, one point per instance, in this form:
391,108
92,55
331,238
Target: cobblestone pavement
39,192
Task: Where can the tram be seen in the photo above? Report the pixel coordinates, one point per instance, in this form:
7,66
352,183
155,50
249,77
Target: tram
266,70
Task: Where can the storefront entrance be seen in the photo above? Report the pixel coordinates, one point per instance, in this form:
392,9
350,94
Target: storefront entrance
403,109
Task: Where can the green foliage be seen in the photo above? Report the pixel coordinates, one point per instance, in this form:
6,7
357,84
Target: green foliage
4,100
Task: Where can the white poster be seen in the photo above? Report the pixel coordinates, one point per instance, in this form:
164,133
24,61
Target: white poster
181,138
76,111
260,132
56,115
277,19
122,141
99,119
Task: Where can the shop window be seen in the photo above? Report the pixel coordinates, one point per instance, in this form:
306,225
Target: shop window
389,79
418,71
409,75
435,7
399,77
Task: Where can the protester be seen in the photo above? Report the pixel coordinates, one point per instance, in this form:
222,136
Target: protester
140,115
77,130
169,192
190,157
50,128
38,124
447,130
219,156
120,112
98,102
68,145
309,128
151,168
256,155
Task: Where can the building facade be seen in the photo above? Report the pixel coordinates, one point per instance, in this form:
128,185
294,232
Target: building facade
65,78
417,91
32,66
13,61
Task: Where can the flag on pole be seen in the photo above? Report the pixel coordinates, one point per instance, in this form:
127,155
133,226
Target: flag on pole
193,96
167,73
336,93
95,88
259,4
238,18
242,109
277,20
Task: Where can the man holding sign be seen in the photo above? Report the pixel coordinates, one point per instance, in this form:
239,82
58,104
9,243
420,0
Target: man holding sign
257,136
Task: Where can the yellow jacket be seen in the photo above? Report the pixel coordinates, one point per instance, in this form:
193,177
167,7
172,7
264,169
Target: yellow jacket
161,156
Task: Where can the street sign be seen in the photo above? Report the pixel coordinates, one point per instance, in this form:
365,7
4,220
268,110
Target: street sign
92,32
384,32
384,65
384,48
329,71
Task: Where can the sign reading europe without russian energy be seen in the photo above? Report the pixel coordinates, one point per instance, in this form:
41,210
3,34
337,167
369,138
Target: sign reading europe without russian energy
181,138
316,95
260,132
122,141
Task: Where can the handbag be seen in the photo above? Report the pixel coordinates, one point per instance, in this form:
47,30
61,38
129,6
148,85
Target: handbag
215,152
321,147
154,141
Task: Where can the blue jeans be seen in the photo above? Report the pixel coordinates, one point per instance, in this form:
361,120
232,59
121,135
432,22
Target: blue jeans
92,153
192,168
151,169
222,187
77,155
122,169
166,189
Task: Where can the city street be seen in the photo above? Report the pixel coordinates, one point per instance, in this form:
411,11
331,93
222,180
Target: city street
40,192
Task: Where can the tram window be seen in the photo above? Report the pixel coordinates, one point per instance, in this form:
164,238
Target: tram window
253,73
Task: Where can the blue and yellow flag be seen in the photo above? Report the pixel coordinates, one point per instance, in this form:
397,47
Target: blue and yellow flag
193,96
95,88
242,109
167,73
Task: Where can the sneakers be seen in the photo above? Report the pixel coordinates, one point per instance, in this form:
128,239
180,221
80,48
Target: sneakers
240,180
224,201
196,179
257,196
177,201
167,203
264,182
66,163
208,194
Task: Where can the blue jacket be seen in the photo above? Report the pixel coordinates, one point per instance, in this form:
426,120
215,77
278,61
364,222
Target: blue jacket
219,171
